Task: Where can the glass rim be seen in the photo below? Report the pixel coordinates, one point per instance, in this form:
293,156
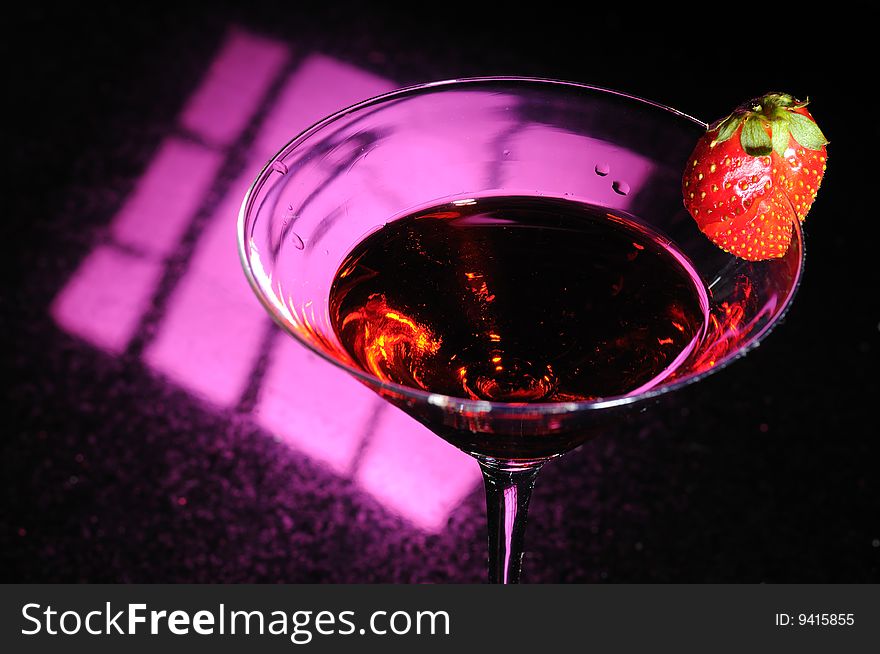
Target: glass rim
467,404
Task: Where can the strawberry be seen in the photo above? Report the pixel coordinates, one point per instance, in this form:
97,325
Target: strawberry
753,173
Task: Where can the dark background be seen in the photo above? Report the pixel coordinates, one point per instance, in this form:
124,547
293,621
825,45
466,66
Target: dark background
764,472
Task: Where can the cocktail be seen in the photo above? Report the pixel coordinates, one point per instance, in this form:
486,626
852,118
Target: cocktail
509,261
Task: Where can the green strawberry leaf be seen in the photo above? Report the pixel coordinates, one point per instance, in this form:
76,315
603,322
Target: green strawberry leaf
780,135
806,132
754,138
727,128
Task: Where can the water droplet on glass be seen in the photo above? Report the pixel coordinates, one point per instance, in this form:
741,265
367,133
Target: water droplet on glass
621,188
280,167
297,241
288,216
602,169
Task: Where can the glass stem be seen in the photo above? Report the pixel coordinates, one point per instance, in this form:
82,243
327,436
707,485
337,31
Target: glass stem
508,490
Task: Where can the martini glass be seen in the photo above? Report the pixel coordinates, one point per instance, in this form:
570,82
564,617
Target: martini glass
347,176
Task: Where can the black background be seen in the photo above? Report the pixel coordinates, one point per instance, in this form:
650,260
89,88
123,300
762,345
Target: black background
94,449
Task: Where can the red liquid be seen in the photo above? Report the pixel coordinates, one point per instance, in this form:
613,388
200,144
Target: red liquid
518,299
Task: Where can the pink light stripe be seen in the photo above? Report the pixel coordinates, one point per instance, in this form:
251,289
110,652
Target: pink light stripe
166,197
105,298
238,79
208,341
319,87
213,327
212,331
414,472
216,254
314,407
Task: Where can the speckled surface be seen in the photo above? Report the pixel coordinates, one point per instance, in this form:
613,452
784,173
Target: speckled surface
766,472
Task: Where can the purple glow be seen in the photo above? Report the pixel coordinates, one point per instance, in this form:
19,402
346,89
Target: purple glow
314,407
229,94
415,473
212,331
166,196
531,146
213,328
319,87
208,340
104,300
